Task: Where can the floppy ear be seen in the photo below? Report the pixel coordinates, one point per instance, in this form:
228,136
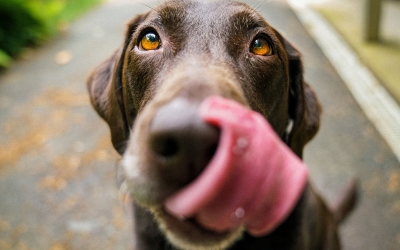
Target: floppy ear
304,107
105,90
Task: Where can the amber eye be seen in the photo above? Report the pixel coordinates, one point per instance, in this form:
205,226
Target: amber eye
150,41
260,46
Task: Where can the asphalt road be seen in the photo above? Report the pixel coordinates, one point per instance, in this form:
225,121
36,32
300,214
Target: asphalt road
57,166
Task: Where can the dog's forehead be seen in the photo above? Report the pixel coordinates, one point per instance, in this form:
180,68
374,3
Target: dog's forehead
204,17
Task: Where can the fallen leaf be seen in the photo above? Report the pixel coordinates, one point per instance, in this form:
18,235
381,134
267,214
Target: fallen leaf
63,57
53,182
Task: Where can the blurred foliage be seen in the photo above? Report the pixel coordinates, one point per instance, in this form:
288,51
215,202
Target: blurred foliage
28,22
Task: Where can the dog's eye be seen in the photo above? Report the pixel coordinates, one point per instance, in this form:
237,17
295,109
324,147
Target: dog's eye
260,46
150,41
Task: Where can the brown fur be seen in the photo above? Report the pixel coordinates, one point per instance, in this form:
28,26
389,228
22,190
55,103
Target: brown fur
205,52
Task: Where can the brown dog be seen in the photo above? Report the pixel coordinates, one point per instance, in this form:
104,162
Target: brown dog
149,92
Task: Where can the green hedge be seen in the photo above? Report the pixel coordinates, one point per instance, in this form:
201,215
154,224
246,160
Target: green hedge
27,22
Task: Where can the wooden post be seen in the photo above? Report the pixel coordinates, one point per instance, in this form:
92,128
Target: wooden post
373,20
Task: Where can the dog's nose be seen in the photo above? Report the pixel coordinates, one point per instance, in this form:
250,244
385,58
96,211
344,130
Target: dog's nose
181,142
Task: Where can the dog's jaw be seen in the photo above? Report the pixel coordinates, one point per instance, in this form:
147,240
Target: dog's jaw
188,235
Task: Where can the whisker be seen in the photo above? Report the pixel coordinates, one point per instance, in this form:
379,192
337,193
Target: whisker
119,88
148,6
263,2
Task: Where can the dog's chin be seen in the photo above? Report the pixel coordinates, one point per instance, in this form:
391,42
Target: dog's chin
189,235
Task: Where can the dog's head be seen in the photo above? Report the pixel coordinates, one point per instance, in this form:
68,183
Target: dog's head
174,57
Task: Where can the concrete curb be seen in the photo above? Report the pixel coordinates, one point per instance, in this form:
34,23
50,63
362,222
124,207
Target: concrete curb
379,106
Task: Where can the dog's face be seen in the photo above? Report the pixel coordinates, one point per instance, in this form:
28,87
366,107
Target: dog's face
173,58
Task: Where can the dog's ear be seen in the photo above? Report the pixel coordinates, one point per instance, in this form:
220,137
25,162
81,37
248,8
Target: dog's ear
105,90
304,107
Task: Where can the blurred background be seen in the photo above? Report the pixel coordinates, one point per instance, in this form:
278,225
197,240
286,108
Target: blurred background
58,186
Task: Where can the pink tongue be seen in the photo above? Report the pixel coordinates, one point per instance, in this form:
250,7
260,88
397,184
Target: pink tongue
254,179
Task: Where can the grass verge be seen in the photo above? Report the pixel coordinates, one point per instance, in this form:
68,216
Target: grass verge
29,22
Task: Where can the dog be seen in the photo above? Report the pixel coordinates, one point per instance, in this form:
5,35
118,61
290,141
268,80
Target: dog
173,58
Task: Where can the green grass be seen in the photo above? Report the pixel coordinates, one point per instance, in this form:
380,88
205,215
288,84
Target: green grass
27,22
75,8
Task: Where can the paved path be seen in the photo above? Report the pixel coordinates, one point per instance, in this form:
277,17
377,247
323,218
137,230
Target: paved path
57,166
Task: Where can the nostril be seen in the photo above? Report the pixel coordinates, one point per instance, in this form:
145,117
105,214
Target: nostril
211,150
164,145
181,143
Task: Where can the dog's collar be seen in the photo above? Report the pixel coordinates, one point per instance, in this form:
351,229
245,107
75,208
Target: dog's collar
288,130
